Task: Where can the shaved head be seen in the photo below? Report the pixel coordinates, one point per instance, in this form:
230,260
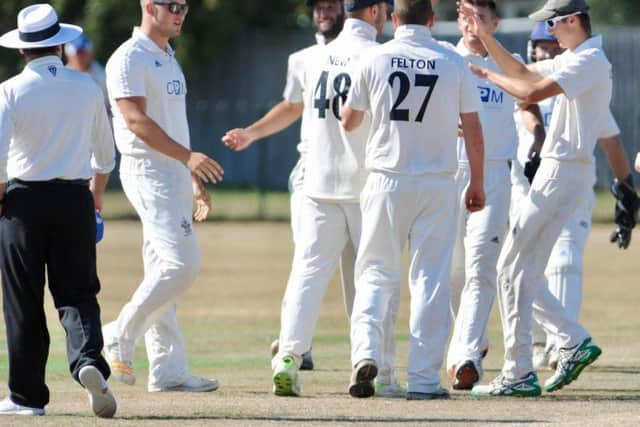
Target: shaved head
413,12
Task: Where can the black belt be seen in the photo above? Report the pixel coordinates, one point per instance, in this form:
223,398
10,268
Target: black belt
58,181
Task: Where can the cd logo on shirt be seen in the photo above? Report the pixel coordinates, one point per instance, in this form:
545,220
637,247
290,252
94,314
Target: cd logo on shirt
491,96
176,87
53,70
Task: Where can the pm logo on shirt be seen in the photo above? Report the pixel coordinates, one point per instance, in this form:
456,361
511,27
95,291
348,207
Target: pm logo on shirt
490,96
53,70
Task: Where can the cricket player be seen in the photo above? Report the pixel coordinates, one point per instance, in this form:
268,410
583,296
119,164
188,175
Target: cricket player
160,176
328,17
564,271
581,79
480,234
416,90
56,153
333,179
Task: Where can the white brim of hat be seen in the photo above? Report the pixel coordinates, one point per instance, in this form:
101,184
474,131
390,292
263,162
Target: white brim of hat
66,34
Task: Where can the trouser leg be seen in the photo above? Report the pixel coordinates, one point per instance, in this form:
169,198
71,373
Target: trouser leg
323,236
431,241
552,200
73,279
166,351
22,260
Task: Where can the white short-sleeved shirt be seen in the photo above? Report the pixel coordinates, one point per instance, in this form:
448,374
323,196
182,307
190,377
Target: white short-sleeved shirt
334,168
53,125
416,89
294,91
140,68
496,115
581,114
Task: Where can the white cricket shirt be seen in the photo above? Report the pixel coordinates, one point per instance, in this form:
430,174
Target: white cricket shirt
334,168
53,125
496,114
140,68
582,112
416,89
294,91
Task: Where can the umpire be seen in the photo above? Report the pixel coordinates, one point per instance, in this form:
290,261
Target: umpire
56,151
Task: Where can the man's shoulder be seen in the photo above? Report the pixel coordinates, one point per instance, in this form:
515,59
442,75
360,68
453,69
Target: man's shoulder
130,50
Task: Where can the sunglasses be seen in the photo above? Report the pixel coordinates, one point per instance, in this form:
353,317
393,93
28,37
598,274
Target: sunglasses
551,23
174,8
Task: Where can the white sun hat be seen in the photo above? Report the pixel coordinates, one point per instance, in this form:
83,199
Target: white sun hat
38,27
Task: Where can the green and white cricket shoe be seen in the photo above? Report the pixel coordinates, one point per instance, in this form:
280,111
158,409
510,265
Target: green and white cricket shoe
527,386
391,390
571,362
285,377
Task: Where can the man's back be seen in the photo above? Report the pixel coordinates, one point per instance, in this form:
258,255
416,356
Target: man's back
336,166
59,108
416,90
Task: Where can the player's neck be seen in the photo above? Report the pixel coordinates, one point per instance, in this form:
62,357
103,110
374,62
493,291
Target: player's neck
577,40
155,36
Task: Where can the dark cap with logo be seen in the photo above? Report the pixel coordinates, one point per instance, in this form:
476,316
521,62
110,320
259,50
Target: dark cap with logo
553,8
351,5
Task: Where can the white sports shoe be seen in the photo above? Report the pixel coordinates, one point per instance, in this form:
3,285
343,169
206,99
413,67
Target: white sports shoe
7,407
101,400
389,390
285,377
122,370
193,384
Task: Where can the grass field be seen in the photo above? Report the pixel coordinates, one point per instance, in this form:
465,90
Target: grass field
231,315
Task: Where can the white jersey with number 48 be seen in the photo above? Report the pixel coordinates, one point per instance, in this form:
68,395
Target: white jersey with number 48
335,159
416,89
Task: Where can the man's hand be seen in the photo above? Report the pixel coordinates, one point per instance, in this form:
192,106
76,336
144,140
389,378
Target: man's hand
480,72
238,139
474,197
202,200
478,28
208,170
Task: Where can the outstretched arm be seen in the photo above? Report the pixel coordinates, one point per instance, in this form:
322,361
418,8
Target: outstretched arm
277,119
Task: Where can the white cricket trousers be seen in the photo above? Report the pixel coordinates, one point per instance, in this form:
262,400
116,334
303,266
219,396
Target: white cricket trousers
325,229
422,211
161,193
558,190
564,271
474,274
348,257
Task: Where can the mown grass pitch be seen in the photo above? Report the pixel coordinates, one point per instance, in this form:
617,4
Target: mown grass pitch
231,315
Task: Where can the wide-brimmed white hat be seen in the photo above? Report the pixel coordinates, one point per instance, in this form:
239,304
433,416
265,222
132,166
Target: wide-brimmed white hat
38,26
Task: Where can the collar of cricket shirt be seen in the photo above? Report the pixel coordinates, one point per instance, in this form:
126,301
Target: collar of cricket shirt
594,42
413,32
149,44
44,61
360,28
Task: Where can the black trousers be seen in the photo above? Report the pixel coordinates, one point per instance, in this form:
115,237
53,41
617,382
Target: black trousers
48,226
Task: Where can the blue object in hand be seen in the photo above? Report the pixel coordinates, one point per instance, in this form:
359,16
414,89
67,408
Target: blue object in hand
99,227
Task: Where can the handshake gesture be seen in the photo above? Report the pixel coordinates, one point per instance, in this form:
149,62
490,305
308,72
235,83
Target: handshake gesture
627,204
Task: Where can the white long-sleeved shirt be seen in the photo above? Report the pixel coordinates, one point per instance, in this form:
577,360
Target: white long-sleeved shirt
53,124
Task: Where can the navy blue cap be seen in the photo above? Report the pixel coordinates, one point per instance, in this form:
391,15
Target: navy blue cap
541,33
77,45
351,5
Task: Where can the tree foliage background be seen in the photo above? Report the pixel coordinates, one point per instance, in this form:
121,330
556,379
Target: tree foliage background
209,27
212,24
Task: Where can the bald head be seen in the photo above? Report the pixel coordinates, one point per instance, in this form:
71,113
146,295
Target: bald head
413,12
